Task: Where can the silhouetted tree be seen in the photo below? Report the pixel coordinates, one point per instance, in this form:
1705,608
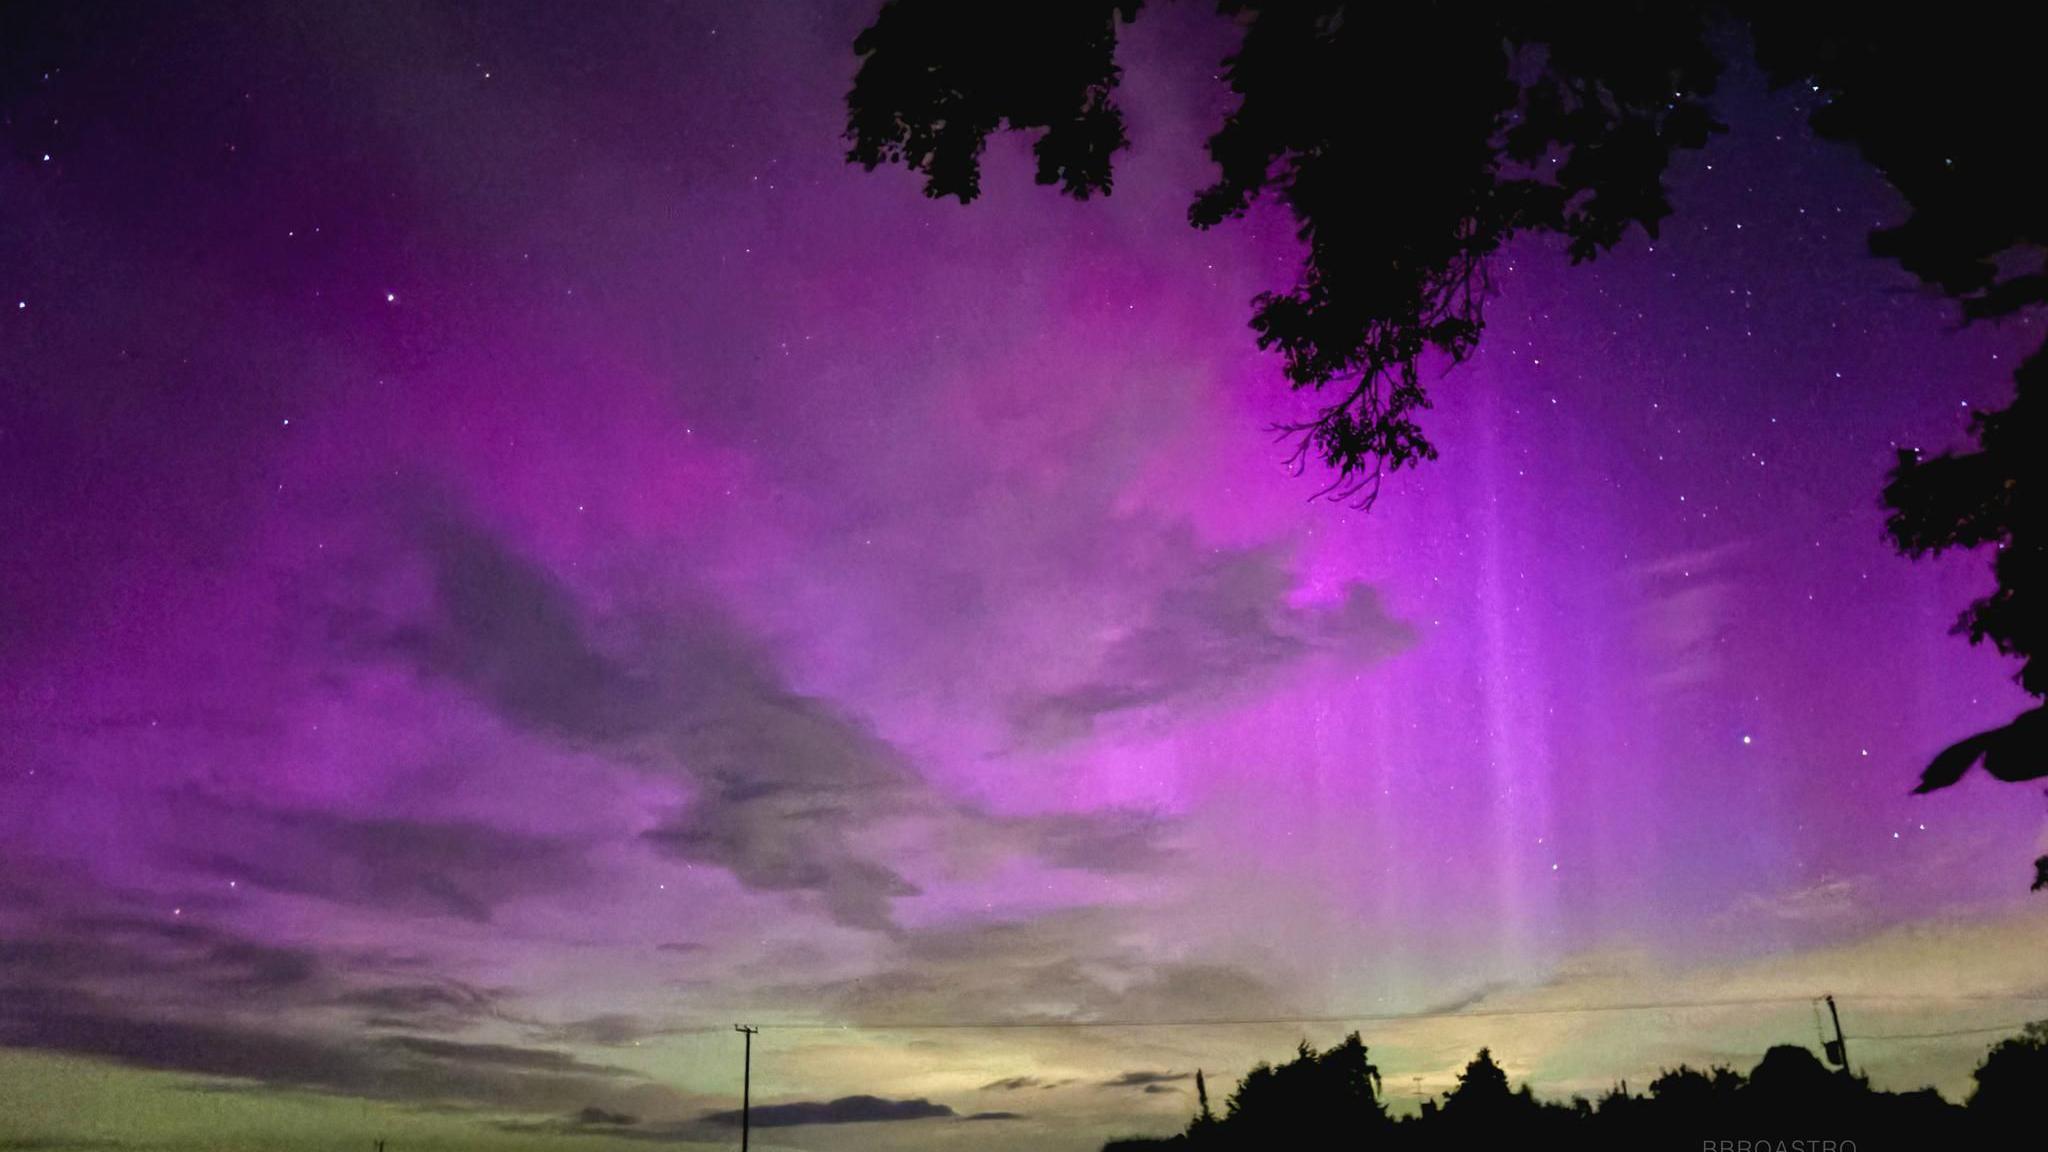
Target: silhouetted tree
1410,141
1398,212
2012,1082
1204,1124
1925,102
1684,1106
1312,1095
1483,1110
1992,496
1482,1088
1330,1100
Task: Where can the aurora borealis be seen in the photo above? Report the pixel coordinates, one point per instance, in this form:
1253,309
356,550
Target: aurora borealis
517,557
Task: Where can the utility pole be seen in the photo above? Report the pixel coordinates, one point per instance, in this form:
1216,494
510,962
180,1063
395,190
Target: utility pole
1838,1048
746,1082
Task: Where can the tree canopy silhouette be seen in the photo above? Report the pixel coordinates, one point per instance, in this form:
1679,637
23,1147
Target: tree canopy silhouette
1330,1099
1315,1093
1409,142
1398,212
2009,1080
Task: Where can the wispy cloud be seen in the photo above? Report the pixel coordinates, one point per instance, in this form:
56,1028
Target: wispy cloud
1221,626
783,786
844,1110
460,869
1145,1079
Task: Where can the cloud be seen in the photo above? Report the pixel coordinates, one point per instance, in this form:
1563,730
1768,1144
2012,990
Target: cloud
498,1055
505,630
1078,964
781,780
178,960
1223,624
596,1115
393,1068
1684,606
995,1116
785,787
442,1005
1013,1084
184,995
844,1110
448,868
611,1030
183,965
1146,1080
1111,841
1831,899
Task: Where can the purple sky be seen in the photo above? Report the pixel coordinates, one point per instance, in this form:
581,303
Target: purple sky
516,557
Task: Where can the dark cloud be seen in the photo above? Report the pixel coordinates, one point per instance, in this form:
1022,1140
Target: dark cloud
394,1068
995,1116
596,1115
497,1055
1151,1089
443,868
1013,1084
1224,625
1146,1080
844,1110
178,959
1460,1003
505,630
783,783
179,994
611,1030
746,832
781,780
1115,841
443,1005
1071,965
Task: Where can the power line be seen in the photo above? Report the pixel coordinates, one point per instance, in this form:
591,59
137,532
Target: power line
1262,1021
1377,1017
1944,1035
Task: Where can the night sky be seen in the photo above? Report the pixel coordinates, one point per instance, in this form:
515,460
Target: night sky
515,557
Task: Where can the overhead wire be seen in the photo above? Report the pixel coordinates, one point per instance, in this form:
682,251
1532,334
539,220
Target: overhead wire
1399,1017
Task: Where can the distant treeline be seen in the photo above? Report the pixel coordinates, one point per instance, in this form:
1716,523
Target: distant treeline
1790,1102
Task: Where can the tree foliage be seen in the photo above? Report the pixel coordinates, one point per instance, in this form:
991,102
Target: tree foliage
1316,1092
2010,1080
1409,142
1330,1100
1529,120
1930,103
